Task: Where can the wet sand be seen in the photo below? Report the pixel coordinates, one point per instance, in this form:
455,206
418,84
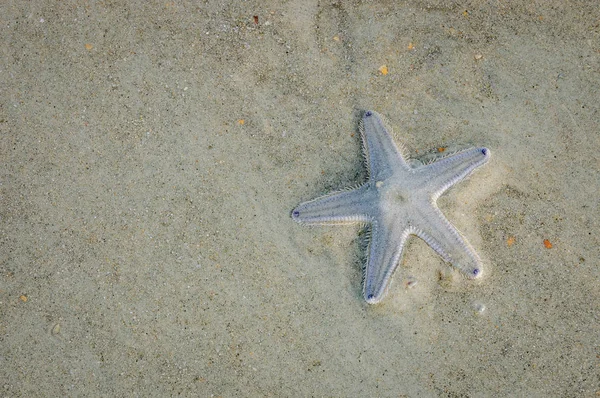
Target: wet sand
151,154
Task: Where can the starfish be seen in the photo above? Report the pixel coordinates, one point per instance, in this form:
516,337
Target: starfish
398,200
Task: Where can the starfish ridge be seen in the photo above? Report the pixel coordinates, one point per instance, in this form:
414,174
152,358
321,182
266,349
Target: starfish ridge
398,200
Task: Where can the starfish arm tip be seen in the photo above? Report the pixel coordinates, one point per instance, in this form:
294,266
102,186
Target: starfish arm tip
372,299
296,215
485,152
475,273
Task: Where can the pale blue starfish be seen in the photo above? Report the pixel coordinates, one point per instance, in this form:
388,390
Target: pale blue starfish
396,201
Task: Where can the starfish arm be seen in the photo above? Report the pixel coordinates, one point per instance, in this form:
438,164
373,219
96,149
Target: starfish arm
445,239
380,150
385,250
344,207
446,172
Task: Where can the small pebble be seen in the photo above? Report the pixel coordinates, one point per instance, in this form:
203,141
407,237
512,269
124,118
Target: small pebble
479,307
56,329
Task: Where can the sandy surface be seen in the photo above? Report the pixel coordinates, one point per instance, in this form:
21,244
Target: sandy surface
151,154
